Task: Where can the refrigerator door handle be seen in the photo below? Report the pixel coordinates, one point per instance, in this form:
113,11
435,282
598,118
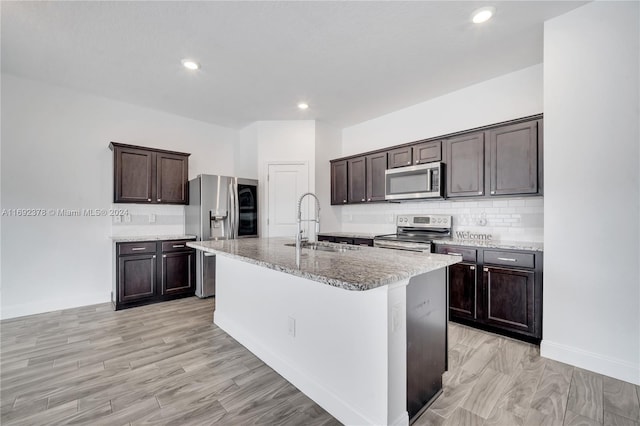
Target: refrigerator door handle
232,211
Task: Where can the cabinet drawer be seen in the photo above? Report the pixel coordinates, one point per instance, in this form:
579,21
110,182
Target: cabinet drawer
468,255
168,246
136,248
363,242
506,258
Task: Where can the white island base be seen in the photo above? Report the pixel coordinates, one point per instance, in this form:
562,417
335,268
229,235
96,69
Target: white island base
346,350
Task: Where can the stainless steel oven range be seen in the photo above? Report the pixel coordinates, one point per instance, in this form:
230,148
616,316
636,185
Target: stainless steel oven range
415,232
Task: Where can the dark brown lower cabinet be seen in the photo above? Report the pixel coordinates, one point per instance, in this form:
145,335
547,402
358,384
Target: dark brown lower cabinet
463,286
503,298
140,278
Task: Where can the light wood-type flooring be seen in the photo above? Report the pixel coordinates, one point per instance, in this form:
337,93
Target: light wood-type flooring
168,364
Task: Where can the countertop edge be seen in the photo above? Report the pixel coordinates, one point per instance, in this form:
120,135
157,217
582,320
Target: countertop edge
142,238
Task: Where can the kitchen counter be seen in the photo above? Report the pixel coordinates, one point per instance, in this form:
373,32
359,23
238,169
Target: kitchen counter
348,235
352,352
137,238
355,268
507,245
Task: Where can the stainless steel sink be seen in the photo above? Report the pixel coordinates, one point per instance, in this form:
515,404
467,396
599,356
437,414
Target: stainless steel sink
322,246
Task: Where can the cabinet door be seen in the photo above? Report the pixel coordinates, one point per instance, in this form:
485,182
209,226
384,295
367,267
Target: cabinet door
510,298
136,277
513,159
465,165
357,180
171,178
376,166
400,157
339,182
427,152
463,281
132,175
178,272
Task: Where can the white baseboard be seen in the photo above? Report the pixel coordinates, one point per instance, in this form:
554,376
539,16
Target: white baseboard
612,367
42,306
402,420
332,403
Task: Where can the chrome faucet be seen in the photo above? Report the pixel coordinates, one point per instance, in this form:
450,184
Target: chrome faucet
316,220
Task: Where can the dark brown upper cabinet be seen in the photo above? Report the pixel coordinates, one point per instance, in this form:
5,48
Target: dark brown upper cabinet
357,180
149,176
427,152
376,166
513,159
400,157
339,182
465,165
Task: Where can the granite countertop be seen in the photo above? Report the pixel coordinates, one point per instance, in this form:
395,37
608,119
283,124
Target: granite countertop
355,268
348,235
136,238
509,245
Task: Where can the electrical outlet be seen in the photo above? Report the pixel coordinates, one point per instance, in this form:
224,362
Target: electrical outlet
152,218
292,327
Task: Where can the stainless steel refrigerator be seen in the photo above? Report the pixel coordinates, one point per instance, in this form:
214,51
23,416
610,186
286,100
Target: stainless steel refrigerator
220,207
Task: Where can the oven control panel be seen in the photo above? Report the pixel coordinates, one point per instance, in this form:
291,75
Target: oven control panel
424,221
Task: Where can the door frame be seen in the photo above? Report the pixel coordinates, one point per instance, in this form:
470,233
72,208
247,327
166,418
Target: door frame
268,164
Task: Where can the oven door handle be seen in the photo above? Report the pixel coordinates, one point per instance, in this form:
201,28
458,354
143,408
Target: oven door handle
398,247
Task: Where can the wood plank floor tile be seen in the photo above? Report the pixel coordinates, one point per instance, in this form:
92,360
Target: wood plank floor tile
484,395
621,398
574,419
462,417
537,418
586,395
611,419
551,395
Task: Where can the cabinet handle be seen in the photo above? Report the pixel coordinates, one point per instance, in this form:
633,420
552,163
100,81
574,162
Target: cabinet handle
343,242
363,199
493,192
178,245
473,268
138,248
344,201
159,199
479,192
154,256
416,161
164,255
508,259
368,199
148,199
486,269
453,253
408,162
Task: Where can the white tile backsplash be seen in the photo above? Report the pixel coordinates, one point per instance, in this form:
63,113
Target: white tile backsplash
513,219
169,220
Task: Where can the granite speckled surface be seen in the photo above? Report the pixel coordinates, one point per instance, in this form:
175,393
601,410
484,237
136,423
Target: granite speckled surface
355,268
138,238
508,245
347,235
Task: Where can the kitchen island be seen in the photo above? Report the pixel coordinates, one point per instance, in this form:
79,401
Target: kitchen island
336,325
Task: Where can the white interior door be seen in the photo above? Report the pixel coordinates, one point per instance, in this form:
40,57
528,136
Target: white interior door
286,183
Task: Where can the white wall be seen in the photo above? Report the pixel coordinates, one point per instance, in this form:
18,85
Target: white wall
592,189
55,155
281,141
328,146
510,96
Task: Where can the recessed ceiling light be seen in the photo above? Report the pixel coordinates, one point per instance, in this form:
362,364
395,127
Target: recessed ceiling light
303,105
483,14
189,64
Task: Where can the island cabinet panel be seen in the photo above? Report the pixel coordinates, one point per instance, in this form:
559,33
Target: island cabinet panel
465,165
357,180
140,278
376,166
510,297
427,152
339,182
400,157
149,176
513,159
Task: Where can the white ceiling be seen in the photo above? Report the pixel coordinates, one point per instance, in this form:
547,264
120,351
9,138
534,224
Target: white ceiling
351,61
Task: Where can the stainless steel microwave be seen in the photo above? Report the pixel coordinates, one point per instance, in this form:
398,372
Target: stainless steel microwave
414,182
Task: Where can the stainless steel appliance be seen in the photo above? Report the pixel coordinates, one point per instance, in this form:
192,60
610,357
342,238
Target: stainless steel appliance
220,207
414,182
415,232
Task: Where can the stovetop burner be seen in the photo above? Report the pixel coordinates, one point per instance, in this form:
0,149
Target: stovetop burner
416,232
